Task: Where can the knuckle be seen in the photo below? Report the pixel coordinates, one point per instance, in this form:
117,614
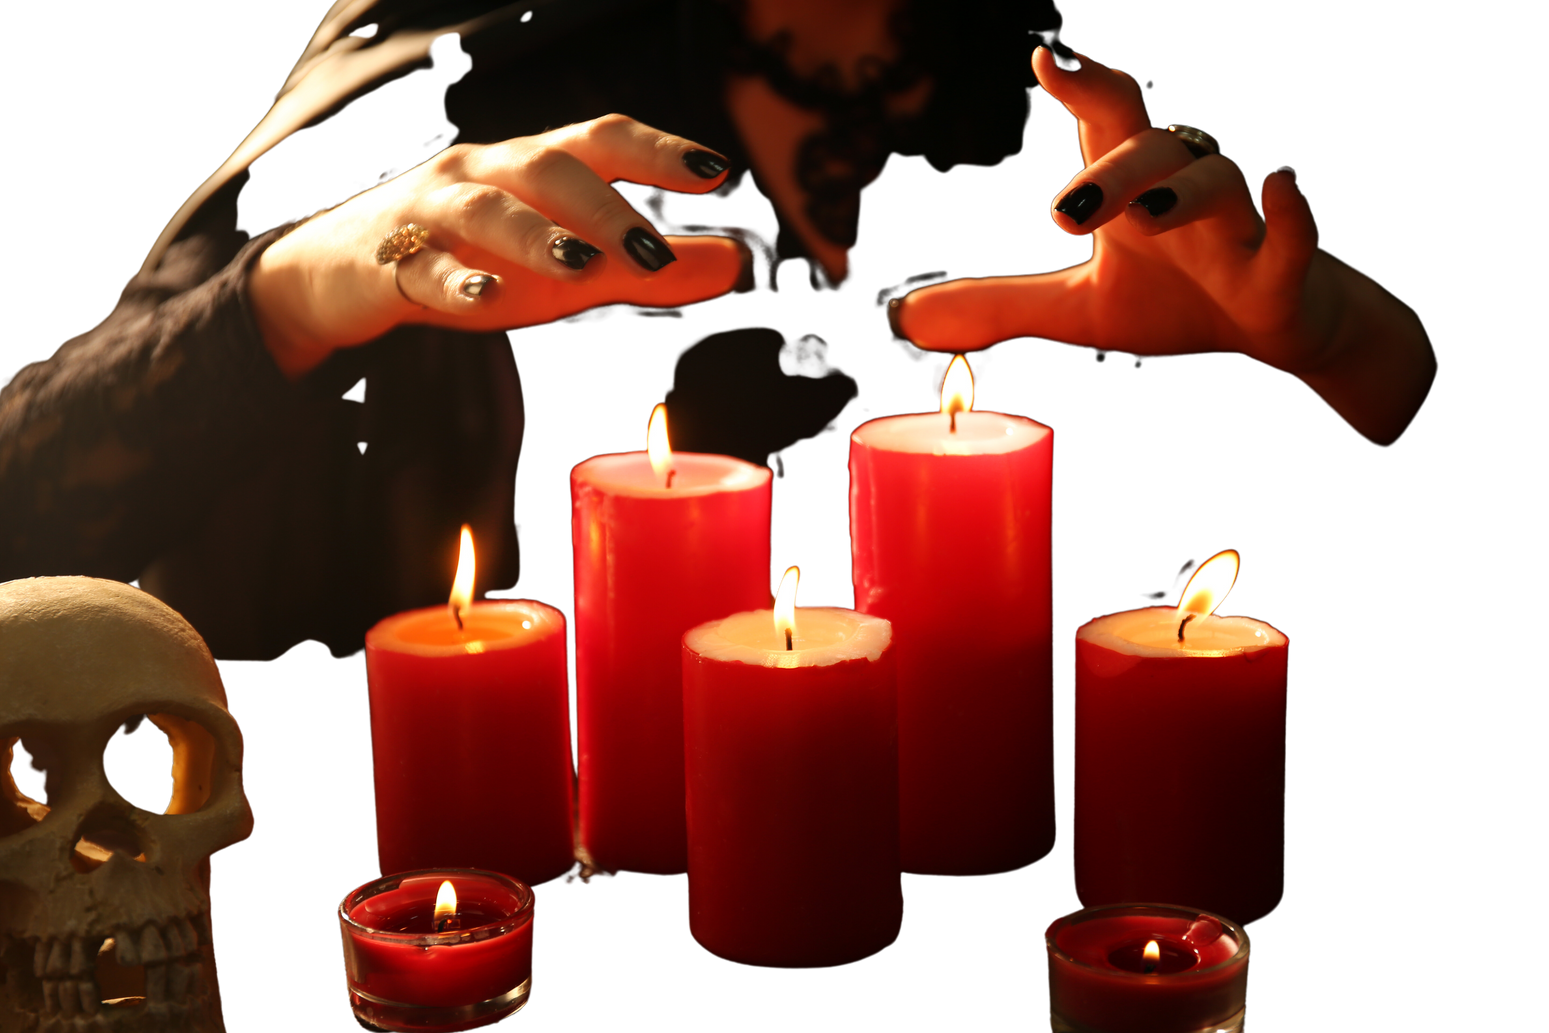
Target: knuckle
453,158
470,201
545,159
610,124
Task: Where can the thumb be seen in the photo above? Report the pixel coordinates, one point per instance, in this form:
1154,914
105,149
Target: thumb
966,315
1290,234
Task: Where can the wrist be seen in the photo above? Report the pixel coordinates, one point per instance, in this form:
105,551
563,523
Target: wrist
274,293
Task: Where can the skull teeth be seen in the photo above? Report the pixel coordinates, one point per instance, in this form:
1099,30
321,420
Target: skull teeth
127,950
58,959
153,949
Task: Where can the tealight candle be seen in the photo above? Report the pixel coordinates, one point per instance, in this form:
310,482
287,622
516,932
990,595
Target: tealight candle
1146,968
1180,754
438,949
791,756
470,735
663,541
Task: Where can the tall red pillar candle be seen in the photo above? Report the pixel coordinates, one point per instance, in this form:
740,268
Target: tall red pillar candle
792,765
1146,968
1180,759
470,739
949,528
651,562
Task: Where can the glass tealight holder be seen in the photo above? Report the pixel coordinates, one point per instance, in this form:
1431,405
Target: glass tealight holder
410,968
1146,968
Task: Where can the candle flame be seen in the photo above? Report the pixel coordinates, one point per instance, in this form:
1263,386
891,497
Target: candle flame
462,583
785,606
957,389
657,446
1152,955
446,905
1209,585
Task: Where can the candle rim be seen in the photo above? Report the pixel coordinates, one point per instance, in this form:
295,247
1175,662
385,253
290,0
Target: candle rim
1228,927
548,620
1100,636
1040,432
489,930
747,475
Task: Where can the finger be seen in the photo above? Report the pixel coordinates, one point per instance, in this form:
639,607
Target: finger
1105,187
618,147
495,222
436,280
1107,103
966,315
1290,234
1210,188
567,190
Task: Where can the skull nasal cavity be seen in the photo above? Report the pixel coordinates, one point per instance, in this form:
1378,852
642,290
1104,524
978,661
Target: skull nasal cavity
102,835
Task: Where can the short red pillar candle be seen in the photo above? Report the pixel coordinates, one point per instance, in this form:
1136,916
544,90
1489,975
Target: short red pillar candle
410,966
1180,757
1101,979
792,766
651,562
470,739
949,527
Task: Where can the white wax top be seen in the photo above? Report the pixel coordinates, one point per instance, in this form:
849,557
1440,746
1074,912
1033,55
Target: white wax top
824,635
978,433
1153,631
694,473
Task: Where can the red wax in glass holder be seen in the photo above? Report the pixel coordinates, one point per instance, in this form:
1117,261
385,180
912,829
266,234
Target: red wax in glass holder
1100,980
403,975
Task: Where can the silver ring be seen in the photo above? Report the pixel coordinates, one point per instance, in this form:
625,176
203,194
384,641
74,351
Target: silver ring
1199,142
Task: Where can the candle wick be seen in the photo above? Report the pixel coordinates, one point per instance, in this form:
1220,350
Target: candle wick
1150,967
952,416
787,640
448,923
670,475
457,615
1185,624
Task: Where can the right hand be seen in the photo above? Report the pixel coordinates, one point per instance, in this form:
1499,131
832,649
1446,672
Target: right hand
495,210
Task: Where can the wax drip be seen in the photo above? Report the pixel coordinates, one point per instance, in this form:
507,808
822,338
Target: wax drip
1185,624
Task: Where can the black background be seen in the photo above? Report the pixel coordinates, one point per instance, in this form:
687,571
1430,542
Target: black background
1156,462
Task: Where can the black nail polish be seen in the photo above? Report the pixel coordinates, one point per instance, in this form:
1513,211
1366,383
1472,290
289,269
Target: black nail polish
1064,59
1081,203
573,251
474,285
705,164
895,308
1157,201
649,251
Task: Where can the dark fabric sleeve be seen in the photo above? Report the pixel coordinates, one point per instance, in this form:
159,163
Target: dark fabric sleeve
123,439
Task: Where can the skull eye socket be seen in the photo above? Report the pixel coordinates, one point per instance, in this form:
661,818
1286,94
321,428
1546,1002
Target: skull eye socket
138,761
23,793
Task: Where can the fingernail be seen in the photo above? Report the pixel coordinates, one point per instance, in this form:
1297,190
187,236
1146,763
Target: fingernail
1157,201
895,311
705,164
573,251
474,285
1287,168
1064,59
1081,203
649,251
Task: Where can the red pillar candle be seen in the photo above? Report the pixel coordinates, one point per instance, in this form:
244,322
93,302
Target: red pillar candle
470,737
1180,754
651,562
437,949
1144,968
949,526
792,763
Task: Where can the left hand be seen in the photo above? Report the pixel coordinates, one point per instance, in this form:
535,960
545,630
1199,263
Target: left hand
1197,271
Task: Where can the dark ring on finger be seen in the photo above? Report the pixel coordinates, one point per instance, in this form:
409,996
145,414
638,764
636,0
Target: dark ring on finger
1200,143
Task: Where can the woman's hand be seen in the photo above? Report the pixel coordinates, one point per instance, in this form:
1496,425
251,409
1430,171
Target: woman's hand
1182,262
521,232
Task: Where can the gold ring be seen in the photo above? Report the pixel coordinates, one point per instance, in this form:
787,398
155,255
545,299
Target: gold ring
1199,142
401,243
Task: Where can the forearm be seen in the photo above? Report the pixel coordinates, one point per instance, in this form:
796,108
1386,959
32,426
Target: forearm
124,436
1379,363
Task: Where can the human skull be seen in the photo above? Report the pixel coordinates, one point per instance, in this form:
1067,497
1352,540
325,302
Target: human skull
104,908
